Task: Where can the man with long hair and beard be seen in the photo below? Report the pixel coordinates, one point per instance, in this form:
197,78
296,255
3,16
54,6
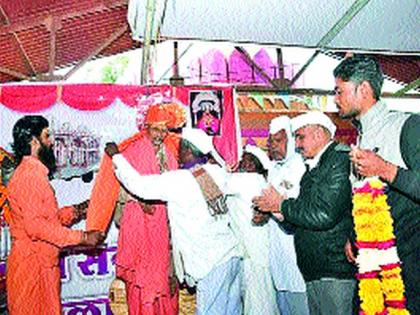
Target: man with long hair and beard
47,157
37,225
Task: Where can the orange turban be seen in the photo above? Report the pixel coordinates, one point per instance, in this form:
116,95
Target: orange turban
171,114
177,115
157,114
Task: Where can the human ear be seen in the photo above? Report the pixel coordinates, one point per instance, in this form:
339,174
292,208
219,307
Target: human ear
35,143
365,89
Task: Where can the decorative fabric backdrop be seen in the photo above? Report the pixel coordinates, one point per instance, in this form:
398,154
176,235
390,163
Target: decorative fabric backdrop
83,118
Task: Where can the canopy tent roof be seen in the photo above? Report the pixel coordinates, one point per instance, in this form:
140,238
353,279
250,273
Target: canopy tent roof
387,27
375,25
39,36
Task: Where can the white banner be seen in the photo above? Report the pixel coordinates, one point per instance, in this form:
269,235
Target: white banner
79,136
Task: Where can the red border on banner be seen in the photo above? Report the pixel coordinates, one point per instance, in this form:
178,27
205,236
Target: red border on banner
93,97
89,97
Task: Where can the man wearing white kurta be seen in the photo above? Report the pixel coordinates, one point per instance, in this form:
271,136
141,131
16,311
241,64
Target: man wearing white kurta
258,289
208,252
285,175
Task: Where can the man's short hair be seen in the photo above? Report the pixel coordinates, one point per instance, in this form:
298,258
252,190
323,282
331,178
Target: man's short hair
23,131
360,68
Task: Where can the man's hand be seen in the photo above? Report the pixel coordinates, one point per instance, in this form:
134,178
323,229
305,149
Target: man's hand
348,250
111,149
92,238
80,210
260,218
147,207
269,201
368,163
233,167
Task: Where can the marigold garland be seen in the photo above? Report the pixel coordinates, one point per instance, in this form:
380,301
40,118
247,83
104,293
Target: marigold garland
381,288
4,205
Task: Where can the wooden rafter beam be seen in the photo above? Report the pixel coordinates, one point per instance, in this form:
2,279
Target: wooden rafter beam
14,73
22,51
53,25
82,7
27,61
51,61
260,70
114,36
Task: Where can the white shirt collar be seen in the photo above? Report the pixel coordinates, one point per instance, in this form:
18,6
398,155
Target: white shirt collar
312,163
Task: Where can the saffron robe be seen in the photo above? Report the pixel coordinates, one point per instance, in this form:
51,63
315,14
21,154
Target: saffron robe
143,243
38,233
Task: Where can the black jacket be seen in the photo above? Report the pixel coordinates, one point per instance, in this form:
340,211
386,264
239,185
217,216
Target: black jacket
404,199
322,218
404,193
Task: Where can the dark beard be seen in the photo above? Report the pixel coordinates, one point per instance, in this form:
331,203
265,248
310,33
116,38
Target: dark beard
350,115
47,157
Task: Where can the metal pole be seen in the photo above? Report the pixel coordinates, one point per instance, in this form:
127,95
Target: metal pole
255,67
175,67
280,64
408,87
332,33
148,29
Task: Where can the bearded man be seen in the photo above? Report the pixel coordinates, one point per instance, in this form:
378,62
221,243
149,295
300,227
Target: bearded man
37,226
144,258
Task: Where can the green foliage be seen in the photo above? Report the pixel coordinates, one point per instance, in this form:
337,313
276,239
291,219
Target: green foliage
114,69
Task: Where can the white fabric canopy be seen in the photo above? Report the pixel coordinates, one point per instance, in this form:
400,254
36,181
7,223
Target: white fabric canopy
391,25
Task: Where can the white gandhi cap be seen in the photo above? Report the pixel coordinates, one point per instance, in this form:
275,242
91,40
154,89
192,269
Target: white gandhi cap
313,118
